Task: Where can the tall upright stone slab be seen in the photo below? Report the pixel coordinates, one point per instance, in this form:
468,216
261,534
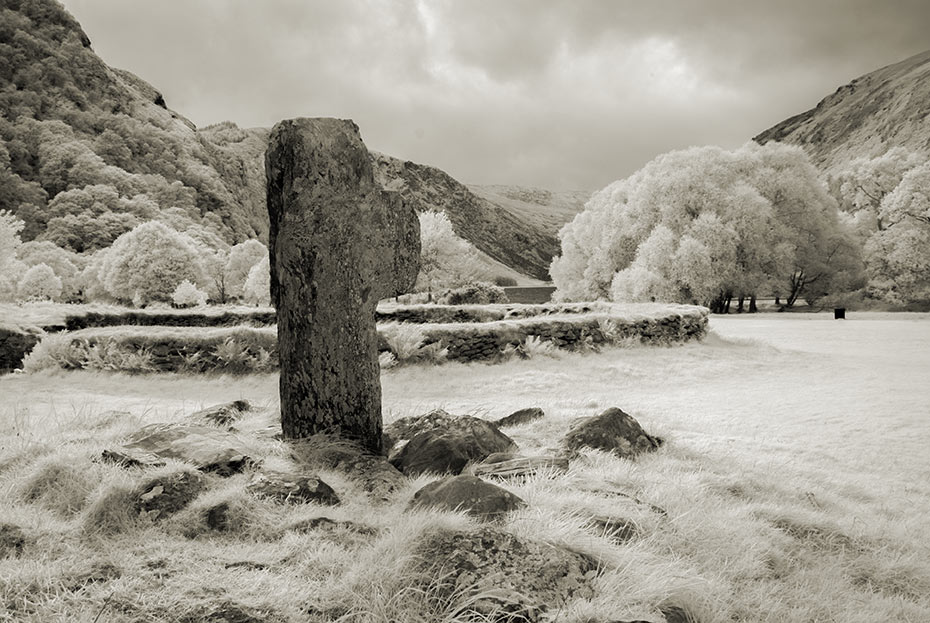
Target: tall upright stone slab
338,243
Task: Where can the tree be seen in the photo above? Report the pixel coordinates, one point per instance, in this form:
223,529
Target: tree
864,183
242,258
898,256
446,260
257,289
39,284
64,263
703,225
147,264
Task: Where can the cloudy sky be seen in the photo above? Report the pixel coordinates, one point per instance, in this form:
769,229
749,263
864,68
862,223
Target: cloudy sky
566,94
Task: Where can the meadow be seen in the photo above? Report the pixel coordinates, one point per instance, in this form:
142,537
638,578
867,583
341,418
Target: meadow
793,485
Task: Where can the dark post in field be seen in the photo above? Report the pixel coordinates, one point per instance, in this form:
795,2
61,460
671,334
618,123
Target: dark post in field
338,243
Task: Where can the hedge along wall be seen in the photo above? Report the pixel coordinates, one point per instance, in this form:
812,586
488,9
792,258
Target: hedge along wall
171,318
250,349
663,324
443,314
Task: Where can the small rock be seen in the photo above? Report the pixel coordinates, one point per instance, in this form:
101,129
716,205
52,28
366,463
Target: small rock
373,472
611,431
449,448
468,493
12,539
291,488
222,415
167,494
522,416
516,465
330,525
206,448
614,528
676,614
217,517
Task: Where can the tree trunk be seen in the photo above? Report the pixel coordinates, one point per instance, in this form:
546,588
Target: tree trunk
739,307
752,304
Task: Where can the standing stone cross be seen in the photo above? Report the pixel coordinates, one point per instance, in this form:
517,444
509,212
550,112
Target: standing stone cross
338,243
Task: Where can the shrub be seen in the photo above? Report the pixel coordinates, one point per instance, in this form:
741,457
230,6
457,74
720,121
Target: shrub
535,346
406,343
40,283
505,282
477,293
188,295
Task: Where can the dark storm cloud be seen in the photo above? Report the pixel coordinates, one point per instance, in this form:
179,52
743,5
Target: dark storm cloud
569,94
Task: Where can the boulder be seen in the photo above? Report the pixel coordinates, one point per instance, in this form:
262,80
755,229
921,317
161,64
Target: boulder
467,493
338,242
452,445
12,539
523,416
221,415
407,427
166,494
292,488
503,577
611,431
206,448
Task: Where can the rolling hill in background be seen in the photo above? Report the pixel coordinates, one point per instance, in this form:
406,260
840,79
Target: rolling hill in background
88,151
880,110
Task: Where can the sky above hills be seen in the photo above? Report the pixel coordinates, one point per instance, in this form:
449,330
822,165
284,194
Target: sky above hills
569,94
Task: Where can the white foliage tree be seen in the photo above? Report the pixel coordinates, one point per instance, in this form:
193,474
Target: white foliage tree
40,283
242,258
703,225
147,264
257,288
446,260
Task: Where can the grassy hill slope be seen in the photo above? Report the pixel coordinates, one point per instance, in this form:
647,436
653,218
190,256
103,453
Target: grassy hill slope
883,109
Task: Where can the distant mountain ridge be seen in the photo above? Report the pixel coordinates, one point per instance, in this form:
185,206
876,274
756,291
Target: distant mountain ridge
889,107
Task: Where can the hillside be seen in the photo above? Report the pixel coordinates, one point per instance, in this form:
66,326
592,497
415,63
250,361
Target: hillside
88,151
526,247
880,110
545,209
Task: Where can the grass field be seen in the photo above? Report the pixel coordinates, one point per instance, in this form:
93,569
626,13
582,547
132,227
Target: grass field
795,479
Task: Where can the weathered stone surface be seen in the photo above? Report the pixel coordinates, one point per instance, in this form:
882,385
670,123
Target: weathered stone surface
407,427
470,494
611,431
523,416
12,539
292,488
167,494
373,472
516,465
222,415
450,447
338,243
331,525
206,448
522,579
